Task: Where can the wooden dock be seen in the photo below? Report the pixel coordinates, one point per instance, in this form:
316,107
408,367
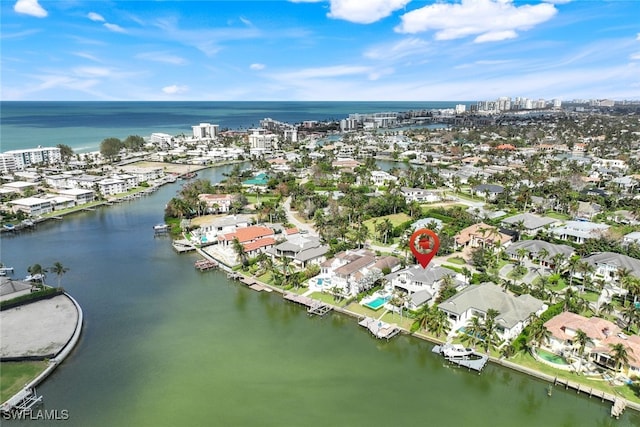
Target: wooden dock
618,404
314,307
380,329
205,264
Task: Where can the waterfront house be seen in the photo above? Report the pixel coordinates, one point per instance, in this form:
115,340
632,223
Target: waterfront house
301,250
246,235
475,301
351,271
423,283
602,335
217,203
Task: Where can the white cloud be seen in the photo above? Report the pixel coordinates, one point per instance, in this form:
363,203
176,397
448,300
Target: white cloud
638,36
364,12
114,27
635,56
95,17
490,20
162,57
494,36
325,72
257,66
86,55
30,7
92,72
407,47
174,89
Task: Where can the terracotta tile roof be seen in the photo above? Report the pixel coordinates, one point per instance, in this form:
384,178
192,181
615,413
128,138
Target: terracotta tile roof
260,243
631,342
248,234
293,230
476,231
596,328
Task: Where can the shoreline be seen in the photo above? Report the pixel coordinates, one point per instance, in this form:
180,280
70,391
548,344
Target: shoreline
28,390
566,383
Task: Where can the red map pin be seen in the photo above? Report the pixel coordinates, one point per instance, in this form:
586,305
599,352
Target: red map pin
424,245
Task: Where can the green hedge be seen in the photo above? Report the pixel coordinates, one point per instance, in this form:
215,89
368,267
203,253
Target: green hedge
45,293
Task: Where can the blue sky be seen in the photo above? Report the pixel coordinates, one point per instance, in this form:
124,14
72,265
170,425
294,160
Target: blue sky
405,50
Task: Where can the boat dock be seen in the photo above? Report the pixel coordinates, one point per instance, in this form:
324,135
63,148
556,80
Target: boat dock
205,264
314,307
5,270
475,361
380,329
182,246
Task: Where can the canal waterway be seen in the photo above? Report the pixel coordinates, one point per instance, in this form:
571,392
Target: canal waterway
166,345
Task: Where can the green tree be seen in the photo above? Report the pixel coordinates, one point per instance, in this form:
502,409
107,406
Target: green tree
238,248
66,152
619,355
581,339
110,148
133,142
37,271
59,270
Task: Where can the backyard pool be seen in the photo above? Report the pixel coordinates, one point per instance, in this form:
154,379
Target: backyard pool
552,358
377,303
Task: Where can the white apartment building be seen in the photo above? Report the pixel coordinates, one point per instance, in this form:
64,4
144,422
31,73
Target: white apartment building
163,140
32,156
79,195
205,131
7,163
32,206
111,186
263,140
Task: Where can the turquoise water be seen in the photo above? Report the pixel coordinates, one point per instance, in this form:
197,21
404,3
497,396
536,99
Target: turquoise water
553,358
83,125
377,303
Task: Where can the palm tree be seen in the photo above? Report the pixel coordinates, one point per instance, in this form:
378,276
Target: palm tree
538,333
472,330
438,322
38,272
619,355
239,250
59,270
581,339
490,329
542,255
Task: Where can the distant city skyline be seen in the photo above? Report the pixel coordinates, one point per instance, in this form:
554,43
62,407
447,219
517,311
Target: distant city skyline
306,50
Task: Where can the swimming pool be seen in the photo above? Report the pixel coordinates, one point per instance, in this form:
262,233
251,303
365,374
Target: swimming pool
551,357
377,303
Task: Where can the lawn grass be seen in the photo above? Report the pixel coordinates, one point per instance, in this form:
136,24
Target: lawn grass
457,260
16,374
557,215
327,298
396,220
525,359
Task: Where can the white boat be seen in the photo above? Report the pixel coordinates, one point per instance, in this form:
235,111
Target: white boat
456,351
160,228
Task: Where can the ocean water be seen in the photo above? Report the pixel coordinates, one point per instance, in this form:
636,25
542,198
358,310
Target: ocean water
83,125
